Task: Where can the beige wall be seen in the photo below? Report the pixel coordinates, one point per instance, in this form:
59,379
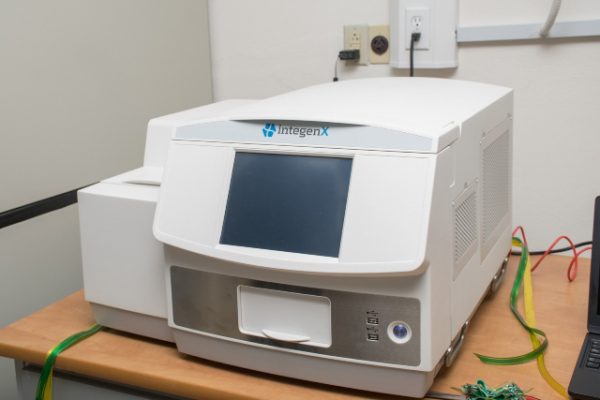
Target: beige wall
265,47
79,80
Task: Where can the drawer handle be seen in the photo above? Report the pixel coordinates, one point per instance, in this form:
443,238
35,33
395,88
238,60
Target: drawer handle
285,337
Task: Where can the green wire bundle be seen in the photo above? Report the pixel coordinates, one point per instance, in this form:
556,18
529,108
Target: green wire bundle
480,391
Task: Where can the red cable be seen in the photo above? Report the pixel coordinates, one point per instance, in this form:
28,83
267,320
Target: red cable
573,265
558,239
520,229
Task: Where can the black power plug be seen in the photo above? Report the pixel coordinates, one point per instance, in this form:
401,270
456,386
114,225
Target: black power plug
345,55
349,55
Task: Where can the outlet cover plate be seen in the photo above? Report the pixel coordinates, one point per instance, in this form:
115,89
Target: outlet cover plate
357,37
440,37
411,14
375,31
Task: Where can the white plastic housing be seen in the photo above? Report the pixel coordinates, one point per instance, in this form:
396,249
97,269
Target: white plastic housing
428,218
380,212
123,264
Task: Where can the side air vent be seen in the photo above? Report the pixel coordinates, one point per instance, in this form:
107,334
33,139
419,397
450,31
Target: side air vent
465,228
495,186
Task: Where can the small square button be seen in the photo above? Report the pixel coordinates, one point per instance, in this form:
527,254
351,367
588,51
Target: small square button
373,337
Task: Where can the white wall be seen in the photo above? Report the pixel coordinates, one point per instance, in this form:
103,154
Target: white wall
265,47
79,80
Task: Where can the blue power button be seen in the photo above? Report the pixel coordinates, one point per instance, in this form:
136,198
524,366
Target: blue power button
399,332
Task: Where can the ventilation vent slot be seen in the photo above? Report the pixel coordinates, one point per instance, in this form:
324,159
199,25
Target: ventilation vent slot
496,189
465,228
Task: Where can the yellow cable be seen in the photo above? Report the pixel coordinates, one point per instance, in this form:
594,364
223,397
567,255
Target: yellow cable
48,392
531,321
44,387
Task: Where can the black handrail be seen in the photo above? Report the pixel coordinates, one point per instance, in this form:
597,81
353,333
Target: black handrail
37,208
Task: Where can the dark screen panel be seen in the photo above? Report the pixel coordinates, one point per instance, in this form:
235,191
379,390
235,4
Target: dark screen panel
287,203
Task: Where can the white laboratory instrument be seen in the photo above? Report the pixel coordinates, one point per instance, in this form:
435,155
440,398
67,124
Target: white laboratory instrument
343,233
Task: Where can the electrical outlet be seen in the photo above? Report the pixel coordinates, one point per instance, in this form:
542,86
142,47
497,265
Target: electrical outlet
437,22
356,37
379,44
417,21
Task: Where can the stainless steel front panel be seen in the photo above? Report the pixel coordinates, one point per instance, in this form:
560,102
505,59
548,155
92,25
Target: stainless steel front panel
207,302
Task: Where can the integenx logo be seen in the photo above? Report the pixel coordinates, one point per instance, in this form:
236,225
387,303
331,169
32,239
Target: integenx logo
271,129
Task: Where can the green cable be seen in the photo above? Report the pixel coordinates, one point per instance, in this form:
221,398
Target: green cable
480,391
514,294
45,381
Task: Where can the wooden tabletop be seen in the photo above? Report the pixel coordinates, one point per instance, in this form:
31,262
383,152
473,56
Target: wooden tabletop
561,309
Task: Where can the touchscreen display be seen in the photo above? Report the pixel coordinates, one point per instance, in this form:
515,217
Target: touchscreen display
287,203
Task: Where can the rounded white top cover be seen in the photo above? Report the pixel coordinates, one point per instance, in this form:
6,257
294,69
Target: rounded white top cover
423,106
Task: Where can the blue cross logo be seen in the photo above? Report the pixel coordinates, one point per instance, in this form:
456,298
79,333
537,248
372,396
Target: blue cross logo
269,129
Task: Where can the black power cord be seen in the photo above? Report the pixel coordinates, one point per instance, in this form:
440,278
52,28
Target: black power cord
335,69
414,38
345,55
553,251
